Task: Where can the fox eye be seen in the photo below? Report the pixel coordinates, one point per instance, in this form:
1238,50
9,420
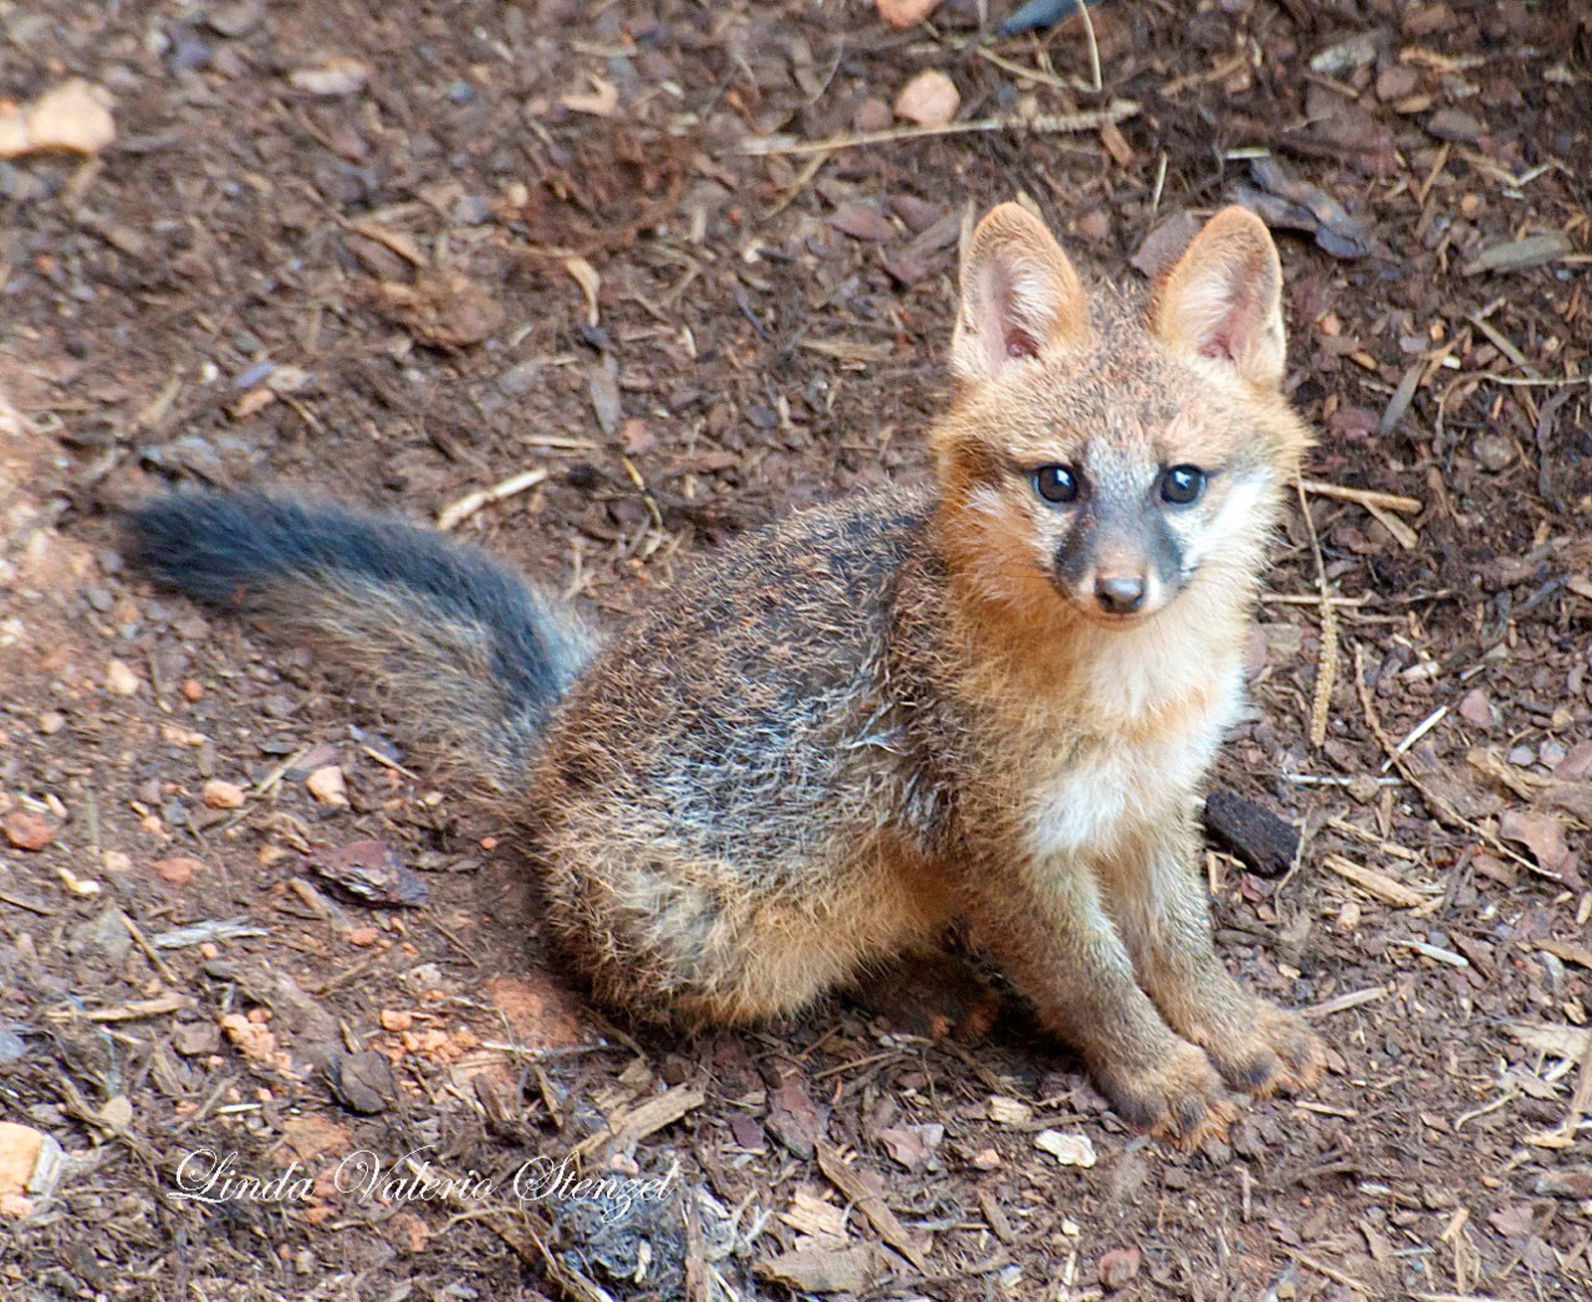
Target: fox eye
1182,484
1056,484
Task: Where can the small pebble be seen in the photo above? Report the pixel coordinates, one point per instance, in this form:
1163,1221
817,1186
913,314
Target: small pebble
26,831
177,869
223,795
120,679
1476,708
193,689
1492,451
51,722
328,786
930,99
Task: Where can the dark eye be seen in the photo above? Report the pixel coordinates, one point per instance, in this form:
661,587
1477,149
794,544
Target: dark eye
1056,484
1182,484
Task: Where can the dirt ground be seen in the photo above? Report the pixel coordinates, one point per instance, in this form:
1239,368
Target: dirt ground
399,253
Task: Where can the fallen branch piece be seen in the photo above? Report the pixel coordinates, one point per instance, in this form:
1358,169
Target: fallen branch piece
1119,110
470,503
1366,497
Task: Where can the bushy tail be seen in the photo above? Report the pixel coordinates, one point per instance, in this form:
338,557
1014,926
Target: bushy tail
469,656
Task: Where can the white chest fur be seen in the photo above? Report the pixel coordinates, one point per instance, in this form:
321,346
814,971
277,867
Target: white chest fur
1121,778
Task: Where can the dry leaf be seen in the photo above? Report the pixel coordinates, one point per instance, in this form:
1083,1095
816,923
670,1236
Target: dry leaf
912,1146
862,221
1539,833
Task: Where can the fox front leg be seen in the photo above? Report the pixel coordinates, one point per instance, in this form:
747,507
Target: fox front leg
1160,905
1047,925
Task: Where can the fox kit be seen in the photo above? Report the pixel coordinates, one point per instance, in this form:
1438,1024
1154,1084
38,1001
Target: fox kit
996,700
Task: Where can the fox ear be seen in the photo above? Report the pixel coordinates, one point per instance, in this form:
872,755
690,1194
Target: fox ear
1223,298
1020,295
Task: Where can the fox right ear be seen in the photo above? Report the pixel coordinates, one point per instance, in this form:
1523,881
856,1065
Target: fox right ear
1223,299
1020,296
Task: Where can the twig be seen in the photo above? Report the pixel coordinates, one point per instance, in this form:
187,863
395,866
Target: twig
1502,343
149,951
1038,75
1530,382
1223,69
1094,46
1442,811
1454,1297
1332,1273
1342,1004
1366,497
1580,1105
388,763
1310,599
1118,110
470,503
1417,732
1327,664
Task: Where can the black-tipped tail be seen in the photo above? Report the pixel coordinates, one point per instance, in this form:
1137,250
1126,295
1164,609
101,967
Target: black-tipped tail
467,652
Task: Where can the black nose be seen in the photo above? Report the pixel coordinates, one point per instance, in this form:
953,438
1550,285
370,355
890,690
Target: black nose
1119,594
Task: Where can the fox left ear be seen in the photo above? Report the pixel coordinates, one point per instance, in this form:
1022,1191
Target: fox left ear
1020,294
1223,299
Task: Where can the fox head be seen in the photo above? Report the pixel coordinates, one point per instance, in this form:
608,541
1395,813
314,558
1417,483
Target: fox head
1106,454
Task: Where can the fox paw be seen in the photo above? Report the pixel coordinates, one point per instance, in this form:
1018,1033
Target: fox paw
1278,1053
1180,1096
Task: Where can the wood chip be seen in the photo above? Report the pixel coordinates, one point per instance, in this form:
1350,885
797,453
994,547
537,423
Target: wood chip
856,1269
1069,1150
1267,843
1568,950
1378,884
627,1129
1517,255
844,1178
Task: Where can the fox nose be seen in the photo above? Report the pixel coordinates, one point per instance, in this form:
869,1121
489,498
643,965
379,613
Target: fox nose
1119,594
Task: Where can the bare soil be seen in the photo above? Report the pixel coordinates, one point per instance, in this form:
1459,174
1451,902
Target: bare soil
371,281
